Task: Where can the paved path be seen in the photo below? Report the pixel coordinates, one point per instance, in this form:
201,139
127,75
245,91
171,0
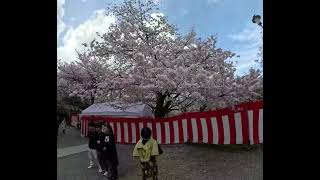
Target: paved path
71,138
62,152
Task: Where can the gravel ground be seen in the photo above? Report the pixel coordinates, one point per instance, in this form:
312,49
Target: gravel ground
179,162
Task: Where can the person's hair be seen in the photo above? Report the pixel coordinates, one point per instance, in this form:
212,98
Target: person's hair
98,125
146,133
91,124
109,128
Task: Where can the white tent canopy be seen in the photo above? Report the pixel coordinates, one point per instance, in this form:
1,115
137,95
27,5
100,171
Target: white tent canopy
114,110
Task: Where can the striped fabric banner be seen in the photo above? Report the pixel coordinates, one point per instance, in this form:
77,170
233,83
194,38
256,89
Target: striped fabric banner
241,125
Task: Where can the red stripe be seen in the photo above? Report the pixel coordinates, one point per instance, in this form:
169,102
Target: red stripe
210,131
180,127
220,130
85,128
115,131
163,133
122,133
256,126
189,127
245,126
154,130
81,127
232,127
129,132
145,124
200,133
137,132
171,132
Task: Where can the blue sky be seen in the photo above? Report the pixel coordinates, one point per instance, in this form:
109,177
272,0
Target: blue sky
78,20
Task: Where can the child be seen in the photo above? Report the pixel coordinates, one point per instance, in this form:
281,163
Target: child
92,152
109,153
146,151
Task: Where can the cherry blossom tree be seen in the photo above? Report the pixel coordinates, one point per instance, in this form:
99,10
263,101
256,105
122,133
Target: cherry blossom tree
163,69
83,78
153,64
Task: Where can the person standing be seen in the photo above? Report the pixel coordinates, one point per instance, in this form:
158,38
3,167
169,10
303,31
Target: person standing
145,151
64,125
100,139
109,152
92,152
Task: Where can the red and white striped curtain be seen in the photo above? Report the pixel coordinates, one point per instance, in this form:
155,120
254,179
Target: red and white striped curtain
241,125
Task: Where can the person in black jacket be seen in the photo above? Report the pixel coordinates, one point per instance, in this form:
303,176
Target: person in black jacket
100,139
92,151
109,153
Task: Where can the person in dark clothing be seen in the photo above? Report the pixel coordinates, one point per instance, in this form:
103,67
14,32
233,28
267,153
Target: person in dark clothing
92,151
64,126
100,136
109,153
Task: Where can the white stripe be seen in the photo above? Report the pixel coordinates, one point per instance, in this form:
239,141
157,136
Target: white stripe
204,130
112,126
226,129
118,132
250,117
150,126
176,131
158,127
194,130
215,130
166,126
237,119
140,128
261,125
185,130
133,130
126,136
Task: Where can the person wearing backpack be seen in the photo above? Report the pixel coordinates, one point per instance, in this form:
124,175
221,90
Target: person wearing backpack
146,151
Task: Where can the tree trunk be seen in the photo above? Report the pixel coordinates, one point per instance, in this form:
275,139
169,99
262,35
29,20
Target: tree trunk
162,108
91,98
203,108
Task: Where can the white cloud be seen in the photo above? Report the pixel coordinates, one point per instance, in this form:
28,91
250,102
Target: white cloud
60,14
251,33
247,45
84,33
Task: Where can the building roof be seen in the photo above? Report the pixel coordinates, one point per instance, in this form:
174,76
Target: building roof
117,110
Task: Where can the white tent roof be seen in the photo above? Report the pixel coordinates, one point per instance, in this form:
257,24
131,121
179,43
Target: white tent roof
133,110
